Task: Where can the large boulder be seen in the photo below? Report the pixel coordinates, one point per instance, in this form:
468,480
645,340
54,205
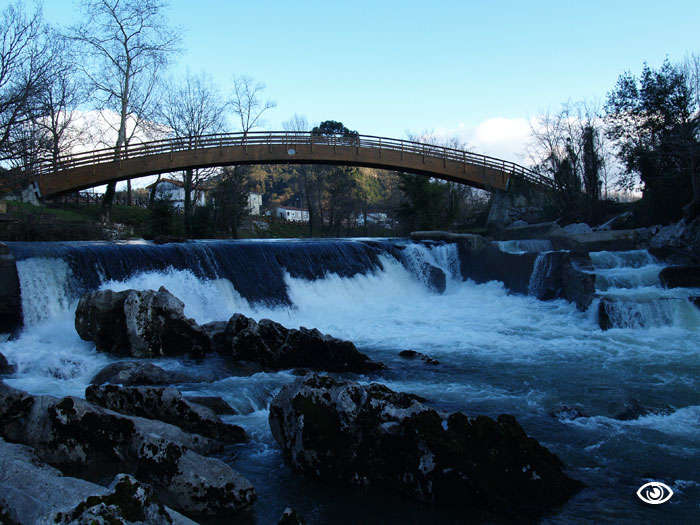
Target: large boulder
344,433
31,490
561,275
214,403
94,443
481,262
680,276
139,324
167,405
128,501
133,373
278,348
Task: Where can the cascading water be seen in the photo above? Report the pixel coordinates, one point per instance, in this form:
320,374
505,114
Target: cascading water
631,295
620,407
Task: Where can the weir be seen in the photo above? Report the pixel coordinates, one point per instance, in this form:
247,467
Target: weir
624,400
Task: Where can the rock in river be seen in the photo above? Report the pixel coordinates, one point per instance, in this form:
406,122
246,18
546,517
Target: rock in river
139,324
278,348
94,443
164,404
345,433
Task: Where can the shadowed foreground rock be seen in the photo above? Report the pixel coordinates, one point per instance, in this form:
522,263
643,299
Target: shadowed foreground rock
278,348
167,405
33,492
345,433
5,367
139,324
94,443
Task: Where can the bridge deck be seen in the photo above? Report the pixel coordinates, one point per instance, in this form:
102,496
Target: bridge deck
100,167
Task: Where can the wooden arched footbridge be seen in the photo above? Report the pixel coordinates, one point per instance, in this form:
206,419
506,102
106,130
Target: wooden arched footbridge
94,168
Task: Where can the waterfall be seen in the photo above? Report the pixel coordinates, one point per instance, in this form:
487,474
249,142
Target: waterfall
631,295
540,271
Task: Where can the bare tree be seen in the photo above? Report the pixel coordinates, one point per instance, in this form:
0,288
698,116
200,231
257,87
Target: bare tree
307,173
127,44
25,66
59,101
570,147
192,109
246,102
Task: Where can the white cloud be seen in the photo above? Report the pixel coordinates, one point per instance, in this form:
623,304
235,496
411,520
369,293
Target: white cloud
497,137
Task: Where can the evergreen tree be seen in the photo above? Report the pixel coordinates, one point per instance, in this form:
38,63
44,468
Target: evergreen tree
654,120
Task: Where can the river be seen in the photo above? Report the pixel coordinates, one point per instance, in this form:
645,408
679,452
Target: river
620,407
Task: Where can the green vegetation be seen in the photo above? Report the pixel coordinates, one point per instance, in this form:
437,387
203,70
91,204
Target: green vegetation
655,122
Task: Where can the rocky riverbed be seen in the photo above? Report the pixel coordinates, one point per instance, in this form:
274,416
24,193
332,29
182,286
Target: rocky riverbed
135,449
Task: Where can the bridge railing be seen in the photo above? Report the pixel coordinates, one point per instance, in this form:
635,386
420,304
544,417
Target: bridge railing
290,139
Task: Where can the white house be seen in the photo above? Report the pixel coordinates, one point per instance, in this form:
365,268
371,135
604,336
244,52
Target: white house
291,213
374,217
173,190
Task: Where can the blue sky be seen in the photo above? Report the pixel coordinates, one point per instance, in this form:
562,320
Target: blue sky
479,69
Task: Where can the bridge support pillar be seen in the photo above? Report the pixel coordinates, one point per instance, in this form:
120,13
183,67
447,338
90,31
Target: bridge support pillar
499,210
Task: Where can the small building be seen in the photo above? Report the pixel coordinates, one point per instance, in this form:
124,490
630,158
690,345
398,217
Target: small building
173,190
254,203
374,217
291,213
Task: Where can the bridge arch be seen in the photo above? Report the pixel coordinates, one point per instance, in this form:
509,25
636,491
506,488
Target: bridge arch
94,168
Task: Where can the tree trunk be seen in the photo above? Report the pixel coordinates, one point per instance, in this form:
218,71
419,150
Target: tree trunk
187,186
107,202
152,196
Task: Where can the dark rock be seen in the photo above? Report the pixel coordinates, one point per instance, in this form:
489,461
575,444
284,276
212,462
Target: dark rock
412,354
214,403
632,409
344,433
139,324
128,501
95,443
578,285
671,256
134,373
215,331
680,276
558,275
436,278
278,348
695,301
605,308
567,413
290,517
167,405
5,367
481,262
31,491
10,299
